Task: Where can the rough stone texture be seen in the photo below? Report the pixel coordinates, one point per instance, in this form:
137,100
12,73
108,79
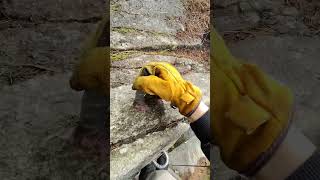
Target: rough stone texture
54,10
140,40
29,48
148,24
225,3
153,15
184,65
290,11
36,119
290,25
123,72
265,15
37,37
132,124
129,121
138,131
190,153
293,61
231,19
128,159
52,45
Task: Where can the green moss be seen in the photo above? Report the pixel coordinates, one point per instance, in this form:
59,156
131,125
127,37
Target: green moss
162,52
115,7
124,30
118,56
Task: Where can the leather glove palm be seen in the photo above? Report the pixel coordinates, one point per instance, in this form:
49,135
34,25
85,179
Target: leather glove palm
250,110
166,82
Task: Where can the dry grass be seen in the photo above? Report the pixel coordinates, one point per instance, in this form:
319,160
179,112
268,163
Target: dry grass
197,19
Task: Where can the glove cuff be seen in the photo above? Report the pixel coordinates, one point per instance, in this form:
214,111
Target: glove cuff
198,113
263,158
191,112
189,100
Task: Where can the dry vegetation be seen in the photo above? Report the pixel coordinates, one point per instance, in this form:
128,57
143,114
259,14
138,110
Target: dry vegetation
196,23
197,19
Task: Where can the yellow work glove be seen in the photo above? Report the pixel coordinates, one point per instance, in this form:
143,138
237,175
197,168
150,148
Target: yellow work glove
250,110
166,82
92,71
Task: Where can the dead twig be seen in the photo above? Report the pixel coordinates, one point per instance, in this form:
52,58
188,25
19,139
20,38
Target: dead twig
32,66
190,165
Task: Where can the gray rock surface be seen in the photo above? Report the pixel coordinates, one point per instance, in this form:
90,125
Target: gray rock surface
265,5
153,15
37,118
262,15
54,10
127,160
290,11
142,124
148,24
231,19
293,61
53,45
30,47
38,113
123,72
143,39
225,3
290,25
189,153
128,120
139,132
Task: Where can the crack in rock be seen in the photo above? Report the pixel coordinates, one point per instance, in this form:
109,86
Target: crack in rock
43,20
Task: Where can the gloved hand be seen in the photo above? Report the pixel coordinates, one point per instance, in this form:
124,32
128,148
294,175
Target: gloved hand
166,82
250,110
92,71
